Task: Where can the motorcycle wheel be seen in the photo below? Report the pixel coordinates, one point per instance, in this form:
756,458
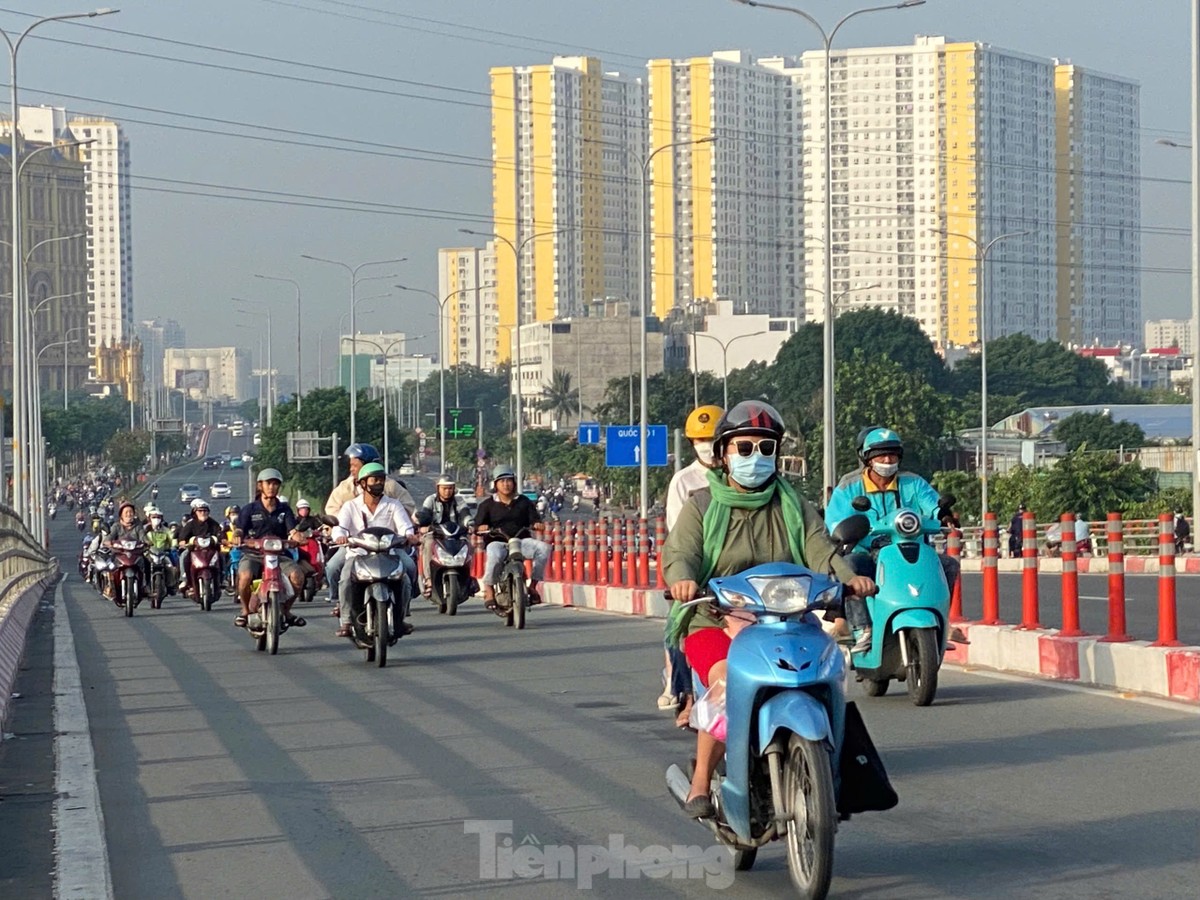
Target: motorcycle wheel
923,663
205,587
381,633
310,590
520,602
158,590
875,687
130,596
439,591
808,784
743,858
273,619
451,594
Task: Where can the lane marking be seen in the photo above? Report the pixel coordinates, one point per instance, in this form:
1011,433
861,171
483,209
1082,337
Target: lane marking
81,854
1177,706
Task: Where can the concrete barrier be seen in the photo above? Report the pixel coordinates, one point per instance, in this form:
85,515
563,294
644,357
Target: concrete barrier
1132,666
1090,565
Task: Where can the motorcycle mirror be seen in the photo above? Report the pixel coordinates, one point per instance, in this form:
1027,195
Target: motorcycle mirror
852,529
860,503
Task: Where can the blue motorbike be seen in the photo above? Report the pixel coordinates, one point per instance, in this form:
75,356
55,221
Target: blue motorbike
910,615
785,723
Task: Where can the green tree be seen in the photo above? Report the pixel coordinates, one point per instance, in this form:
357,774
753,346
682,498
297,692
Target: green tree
1098,431
127,450
559,398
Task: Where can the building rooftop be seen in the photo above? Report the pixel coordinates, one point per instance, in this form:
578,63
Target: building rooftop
1161,421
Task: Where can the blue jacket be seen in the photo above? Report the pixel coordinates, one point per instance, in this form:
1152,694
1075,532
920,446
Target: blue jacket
906,489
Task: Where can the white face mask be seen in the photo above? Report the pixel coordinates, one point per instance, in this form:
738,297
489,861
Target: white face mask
885,470
704,452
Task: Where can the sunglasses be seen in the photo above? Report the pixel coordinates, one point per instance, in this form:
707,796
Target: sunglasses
765,447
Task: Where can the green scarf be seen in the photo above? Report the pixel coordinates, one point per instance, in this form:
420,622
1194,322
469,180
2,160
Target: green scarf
716,527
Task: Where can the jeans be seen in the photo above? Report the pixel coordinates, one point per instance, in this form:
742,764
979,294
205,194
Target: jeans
864,564
333,572
497,552
346,586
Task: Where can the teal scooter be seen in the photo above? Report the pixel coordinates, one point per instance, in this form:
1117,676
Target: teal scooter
910,615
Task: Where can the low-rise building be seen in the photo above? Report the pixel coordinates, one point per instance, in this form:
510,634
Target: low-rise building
712,337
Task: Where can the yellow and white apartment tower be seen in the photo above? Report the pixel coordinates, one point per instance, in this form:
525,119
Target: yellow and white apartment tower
726,216
467,283
567,138
936,135
1098,169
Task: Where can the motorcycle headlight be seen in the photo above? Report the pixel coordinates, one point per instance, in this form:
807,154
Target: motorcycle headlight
783,595
908,523
203,542
129,545
272,545
450,559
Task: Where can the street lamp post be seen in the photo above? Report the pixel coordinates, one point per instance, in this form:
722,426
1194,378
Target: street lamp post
830,464
441,426
517,250
299,354
386,354
981,255
270,414
354,280
725,345
23,496
65,358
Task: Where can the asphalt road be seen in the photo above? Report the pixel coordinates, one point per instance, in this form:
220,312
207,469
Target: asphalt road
226,772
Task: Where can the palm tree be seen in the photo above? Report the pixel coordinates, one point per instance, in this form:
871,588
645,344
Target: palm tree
558,397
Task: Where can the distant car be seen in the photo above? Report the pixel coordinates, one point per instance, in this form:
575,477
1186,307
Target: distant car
212,462
257,439
237,463
247,457
189,492
408,469
225,455
220,490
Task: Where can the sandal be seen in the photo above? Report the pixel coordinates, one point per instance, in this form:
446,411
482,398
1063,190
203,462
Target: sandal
294,621
490,604
241,621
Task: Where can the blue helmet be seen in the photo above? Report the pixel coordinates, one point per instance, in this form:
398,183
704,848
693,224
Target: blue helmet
366,452
879,441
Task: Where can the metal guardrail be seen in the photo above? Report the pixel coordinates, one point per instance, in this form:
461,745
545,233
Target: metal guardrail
1141,538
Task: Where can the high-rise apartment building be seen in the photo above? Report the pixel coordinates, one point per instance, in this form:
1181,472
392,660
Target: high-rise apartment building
928,138
215,373
1099,210
1161,333
471,315
108,244
567,139
726,215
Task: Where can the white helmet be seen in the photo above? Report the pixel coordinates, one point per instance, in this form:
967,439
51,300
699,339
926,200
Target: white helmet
200,503
303,504
152,510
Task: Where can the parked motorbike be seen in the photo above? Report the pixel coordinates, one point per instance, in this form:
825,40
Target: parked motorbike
449,567
266,622
130,581
910,614
789,772
376,575
204,571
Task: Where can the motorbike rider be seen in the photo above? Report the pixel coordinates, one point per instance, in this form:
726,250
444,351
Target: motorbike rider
125,528
509,513
888,489
159,536
358,455
1083,534
441,507
747,516
154,491
304,516
1183,531
201,525
1016,532
266,516
700,428
373,508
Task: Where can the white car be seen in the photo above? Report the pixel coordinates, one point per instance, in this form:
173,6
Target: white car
247,457
220,490
408,469
189,492
257,439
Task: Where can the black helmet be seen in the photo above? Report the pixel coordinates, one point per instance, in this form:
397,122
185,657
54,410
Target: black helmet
750,417
366,452
879,441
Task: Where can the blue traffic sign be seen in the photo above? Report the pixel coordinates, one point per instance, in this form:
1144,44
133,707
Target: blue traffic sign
589,432
623,446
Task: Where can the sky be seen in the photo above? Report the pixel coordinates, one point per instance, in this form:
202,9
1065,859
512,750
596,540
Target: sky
358,130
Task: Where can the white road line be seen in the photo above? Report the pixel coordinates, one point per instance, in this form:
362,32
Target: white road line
1105,597
1179,706
81,855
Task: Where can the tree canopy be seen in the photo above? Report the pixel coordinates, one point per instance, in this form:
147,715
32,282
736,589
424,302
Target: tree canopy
1098,431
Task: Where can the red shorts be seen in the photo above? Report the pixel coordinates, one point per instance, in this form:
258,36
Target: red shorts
704,649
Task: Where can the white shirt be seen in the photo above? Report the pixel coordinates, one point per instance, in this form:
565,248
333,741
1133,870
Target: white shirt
354,517
686,482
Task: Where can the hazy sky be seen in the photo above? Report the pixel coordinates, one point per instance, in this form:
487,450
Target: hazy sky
411,95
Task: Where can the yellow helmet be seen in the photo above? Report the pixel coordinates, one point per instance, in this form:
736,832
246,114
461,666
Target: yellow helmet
702,423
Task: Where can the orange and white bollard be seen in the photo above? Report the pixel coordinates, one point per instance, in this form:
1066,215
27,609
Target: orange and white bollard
660,538
643,567
568,552
1168,625
618,539
593,539
581,550
991,577
954,549
1070,579
555,564
631,553
1029,572
602,540
1116,579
